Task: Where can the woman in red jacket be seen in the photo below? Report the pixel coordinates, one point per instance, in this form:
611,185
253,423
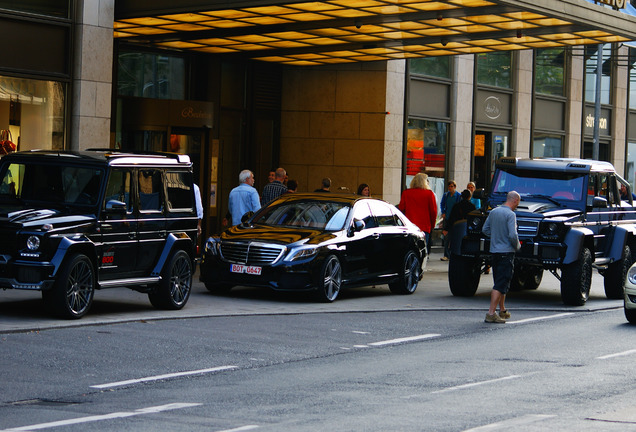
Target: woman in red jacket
418,203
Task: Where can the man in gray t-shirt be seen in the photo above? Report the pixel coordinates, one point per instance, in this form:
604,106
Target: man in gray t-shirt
501,227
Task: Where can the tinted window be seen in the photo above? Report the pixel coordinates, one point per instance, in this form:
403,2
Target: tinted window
383,214
150,190
363,212
179,188
51,183
118,188
565,186
321,215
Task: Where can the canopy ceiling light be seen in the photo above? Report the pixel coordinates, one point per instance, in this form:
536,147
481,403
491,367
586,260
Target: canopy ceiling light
339,31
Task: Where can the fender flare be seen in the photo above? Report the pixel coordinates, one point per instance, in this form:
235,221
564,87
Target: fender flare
171,240
575,239
621,236
67,245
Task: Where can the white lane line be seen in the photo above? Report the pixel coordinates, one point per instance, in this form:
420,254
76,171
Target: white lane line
512,424
162,377
475,384
405,339
541,318
624,353
242,428
95,418
359,332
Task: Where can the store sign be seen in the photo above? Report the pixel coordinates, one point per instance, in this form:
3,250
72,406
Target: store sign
604,121
192,113
492,107
616,4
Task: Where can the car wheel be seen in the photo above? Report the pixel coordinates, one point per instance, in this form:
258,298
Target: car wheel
72,294
463,275
330,279
576,279
409,276
173,290
526,278
630,314
614,277
218,288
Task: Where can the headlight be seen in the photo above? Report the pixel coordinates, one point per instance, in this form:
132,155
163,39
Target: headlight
212,246
33,243
475,224
550,230
301,254
631,275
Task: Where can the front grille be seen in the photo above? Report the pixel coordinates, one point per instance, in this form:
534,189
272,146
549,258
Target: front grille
527,227
251,253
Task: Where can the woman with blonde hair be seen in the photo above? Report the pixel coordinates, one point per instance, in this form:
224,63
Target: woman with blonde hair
418,203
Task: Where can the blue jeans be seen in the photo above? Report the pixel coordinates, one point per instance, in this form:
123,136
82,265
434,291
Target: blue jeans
502,268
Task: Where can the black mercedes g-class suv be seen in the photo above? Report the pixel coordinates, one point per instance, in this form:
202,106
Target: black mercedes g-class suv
74,222
572,218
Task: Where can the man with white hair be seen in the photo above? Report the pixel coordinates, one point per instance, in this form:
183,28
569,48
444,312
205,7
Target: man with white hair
501,227
244,197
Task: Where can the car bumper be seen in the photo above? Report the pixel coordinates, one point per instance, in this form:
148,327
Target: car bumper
545,254
630,295
26,275
279,277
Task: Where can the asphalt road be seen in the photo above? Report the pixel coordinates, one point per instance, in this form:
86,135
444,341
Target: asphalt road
371,361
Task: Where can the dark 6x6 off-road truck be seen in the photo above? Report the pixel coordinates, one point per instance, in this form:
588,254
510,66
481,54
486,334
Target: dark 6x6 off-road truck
572,218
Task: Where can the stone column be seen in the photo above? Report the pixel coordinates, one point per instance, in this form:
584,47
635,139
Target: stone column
522,112
92,74
574,112
619,123
461,128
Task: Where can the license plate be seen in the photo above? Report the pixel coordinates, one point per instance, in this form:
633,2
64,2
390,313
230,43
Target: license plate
253,270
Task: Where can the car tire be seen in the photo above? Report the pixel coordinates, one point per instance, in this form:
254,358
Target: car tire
463,275
614,277
576,279
173,290
219,288
329,280
409,275
630,314
526,278
72,294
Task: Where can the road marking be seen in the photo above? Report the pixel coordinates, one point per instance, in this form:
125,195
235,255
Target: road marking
242,428
511,424
475,384
624,353
162,377
95,418
359,332
541,318
405,339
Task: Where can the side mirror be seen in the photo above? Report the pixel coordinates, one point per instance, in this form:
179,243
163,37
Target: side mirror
599,202
246,217
115,206
358,225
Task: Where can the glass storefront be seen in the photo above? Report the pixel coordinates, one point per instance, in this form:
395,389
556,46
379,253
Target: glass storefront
494,69
591,61
547,146
150,75
31,114
426,152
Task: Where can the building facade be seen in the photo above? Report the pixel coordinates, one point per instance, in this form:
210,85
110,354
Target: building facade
374,94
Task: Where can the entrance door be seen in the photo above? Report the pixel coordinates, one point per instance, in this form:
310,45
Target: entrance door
488,147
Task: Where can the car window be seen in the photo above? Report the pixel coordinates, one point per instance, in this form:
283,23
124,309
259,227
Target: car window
179,188
558,185
383,213
56,184
322,215
361,211
149,187
118,188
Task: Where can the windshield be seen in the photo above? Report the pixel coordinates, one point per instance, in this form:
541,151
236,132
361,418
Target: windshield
50,184
557,185
321,215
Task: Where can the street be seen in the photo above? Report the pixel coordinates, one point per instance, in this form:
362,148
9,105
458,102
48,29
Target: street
370,361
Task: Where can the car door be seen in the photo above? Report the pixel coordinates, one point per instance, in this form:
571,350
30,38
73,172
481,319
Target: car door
358,258
151,218
392,243
601,219
117,224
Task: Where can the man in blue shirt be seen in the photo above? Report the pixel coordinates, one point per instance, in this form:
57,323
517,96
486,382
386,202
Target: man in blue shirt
244,197
501,227
449,199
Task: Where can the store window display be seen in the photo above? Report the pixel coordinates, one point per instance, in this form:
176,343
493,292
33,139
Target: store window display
31,114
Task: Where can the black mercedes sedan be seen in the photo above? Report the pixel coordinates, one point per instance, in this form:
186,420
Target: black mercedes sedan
317,242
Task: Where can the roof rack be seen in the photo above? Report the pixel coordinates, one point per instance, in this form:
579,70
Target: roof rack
179,157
